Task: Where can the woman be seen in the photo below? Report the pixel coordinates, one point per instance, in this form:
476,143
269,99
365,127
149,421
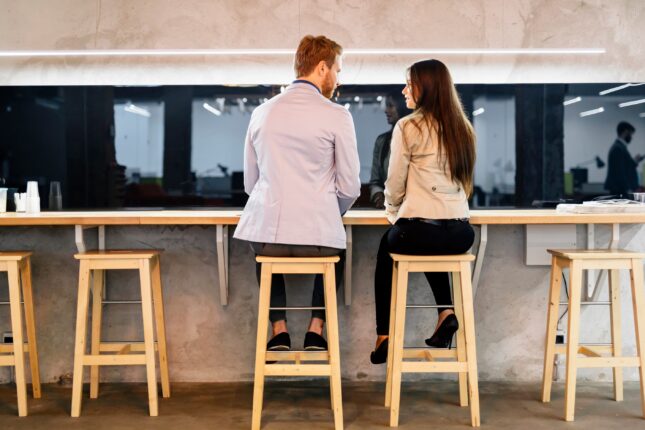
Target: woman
430,177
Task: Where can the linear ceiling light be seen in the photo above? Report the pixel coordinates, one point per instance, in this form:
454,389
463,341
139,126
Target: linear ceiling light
137,110
592,112
632,103
572,101
479,111
212,109
618,88
271,52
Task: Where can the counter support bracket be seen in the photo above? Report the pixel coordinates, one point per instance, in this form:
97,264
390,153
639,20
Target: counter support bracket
479,260
79,236
348,266
222,262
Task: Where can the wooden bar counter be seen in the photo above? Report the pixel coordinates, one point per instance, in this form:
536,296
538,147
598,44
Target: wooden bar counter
222,219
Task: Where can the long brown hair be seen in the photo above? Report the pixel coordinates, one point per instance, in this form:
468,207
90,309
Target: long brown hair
437,102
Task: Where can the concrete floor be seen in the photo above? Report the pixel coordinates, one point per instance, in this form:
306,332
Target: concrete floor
296,404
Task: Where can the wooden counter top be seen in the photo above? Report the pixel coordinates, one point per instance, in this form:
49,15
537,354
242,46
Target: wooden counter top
353,217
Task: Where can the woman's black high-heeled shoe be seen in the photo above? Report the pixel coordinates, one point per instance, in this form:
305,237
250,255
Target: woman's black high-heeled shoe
442,337
379,355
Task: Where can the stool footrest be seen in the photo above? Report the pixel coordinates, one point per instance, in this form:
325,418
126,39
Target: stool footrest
8,360
608,362
585,349
118,346
114,360
297,356
8,348
429,352
434,366
297,370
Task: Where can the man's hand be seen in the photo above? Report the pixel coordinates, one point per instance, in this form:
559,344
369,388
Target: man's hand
379,200
638,158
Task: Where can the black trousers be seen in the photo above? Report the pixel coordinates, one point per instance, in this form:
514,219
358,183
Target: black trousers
414,237
278,292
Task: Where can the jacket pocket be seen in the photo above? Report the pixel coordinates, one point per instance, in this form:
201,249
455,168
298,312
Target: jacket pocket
449,192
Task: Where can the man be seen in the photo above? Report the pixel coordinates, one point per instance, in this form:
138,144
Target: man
395,109
301,171
622,177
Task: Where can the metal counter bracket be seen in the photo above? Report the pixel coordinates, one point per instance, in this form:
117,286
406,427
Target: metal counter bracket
222,262
479,260
348,266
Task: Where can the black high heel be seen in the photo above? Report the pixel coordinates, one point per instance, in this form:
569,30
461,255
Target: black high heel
442,337
379,355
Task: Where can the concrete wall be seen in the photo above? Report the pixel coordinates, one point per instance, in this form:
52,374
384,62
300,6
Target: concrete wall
211,343
615,25
208,342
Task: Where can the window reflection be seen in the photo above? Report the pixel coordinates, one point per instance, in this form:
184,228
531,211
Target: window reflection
182,146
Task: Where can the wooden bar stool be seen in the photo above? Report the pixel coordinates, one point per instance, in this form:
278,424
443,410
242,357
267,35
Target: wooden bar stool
425,360
577,260
331,358
18,267
92,267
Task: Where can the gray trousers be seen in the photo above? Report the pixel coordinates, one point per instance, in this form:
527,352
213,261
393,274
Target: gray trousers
278,292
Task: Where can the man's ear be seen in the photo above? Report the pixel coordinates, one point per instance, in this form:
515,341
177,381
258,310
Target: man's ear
321,68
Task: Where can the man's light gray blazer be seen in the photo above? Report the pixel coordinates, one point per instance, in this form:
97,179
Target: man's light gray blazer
301,170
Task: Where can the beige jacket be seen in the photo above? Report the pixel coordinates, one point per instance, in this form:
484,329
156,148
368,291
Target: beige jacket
417,186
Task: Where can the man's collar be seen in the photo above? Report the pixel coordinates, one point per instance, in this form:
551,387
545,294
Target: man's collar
304,81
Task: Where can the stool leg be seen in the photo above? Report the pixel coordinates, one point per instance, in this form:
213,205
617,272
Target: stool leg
157,293
638,300
461,338
575,285
553,310
334,344
390,345
469,333
30,322
261,342
148,335
397,351
616,338
18,343
97,311
81,326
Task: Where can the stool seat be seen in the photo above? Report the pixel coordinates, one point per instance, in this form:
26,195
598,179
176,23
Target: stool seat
134,254
17,265
297,260
595,254
330,366
432,258
14,255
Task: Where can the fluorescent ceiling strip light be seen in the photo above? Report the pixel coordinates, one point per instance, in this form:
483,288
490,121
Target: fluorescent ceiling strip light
212,109
479,111
272,52
592,112
137,110
618,88
572,101
632,103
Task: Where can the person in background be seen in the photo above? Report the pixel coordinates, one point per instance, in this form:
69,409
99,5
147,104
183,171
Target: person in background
622,177
395,109
301,172
430,177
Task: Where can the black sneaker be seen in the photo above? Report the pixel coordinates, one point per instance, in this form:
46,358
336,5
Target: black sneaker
280,342
315,342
